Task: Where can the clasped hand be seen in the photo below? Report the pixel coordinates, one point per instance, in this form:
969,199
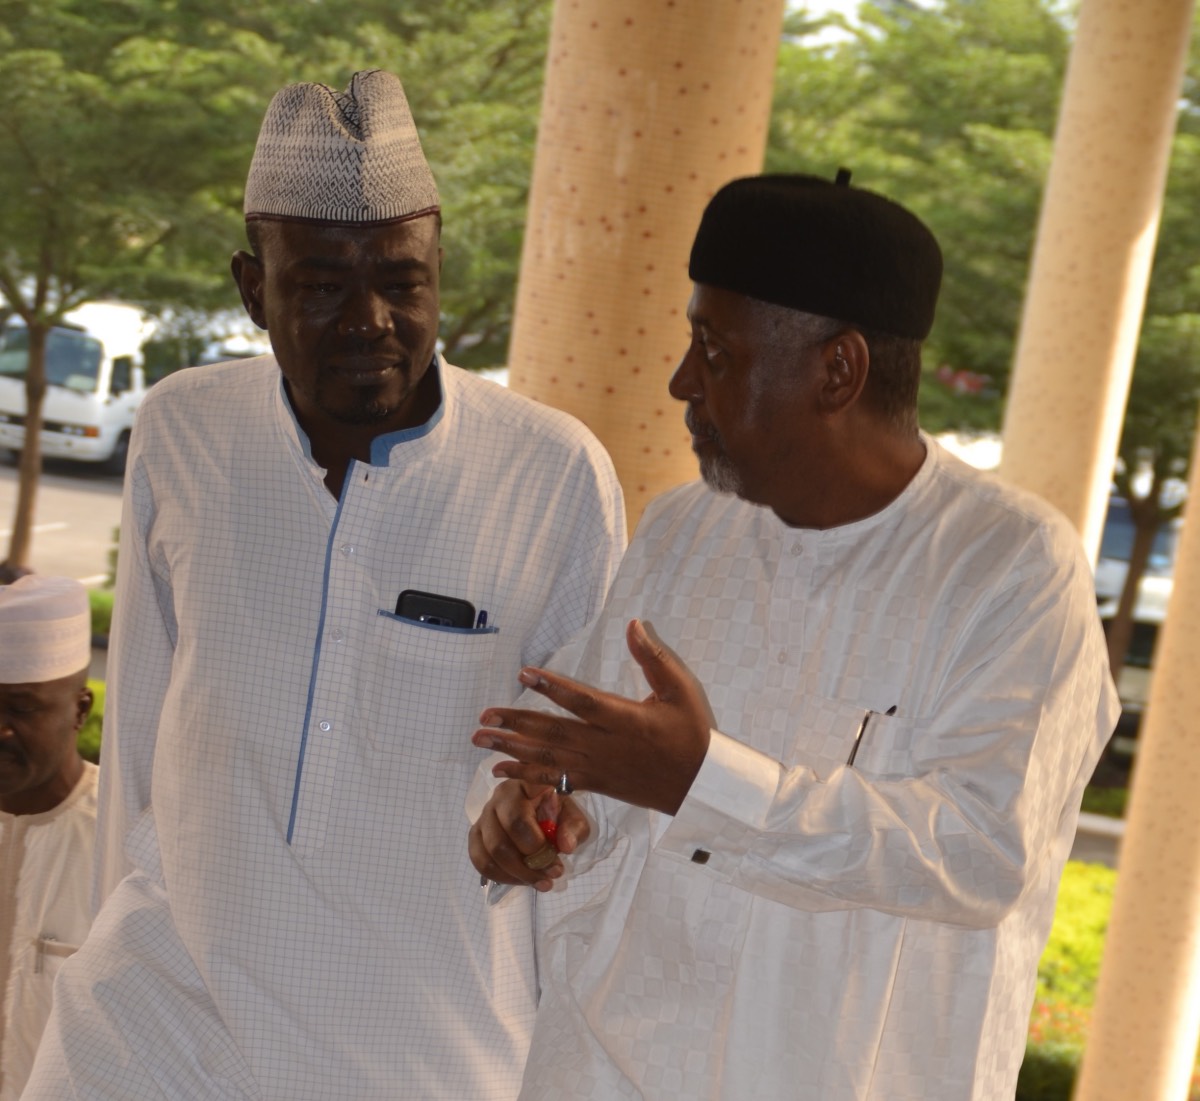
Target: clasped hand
644,752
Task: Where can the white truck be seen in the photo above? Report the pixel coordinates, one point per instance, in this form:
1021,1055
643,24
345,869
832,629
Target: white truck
95,382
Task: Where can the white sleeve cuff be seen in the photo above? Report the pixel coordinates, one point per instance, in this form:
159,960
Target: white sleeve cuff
727,806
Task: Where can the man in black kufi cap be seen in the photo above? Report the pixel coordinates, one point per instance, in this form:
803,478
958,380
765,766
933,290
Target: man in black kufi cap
835,826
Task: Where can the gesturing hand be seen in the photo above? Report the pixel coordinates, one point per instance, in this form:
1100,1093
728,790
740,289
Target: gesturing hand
643,752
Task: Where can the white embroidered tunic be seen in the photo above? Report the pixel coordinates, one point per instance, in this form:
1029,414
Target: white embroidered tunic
804,929
303,922
45,911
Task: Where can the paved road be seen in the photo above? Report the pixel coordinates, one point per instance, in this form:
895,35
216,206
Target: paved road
77,509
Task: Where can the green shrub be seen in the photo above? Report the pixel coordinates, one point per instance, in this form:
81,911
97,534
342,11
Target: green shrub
1048,1073
89,735
101,601
1071,962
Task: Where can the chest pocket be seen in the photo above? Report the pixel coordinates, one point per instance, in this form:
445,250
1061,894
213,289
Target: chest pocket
431,683
826,731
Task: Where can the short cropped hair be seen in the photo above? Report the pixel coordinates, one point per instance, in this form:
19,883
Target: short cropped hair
894,374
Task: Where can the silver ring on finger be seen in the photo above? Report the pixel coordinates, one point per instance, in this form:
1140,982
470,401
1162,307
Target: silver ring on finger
563,787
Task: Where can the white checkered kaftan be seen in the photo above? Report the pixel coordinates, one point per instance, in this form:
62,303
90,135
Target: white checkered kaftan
286,760
806,930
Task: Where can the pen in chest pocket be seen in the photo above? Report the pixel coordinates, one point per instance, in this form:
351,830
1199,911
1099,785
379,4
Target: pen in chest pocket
862,729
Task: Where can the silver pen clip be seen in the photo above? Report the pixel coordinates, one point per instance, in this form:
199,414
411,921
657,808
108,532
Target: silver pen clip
862,729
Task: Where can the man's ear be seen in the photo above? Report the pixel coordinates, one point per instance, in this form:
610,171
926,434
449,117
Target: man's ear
847,362
83,707
247,272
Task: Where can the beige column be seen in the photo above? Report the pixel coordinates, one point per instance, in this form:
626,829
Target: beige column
1142,1042
1092,259
650,105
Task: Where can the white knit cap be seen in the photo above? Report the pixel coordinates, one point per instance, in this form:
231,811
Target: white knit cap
351,157
45,629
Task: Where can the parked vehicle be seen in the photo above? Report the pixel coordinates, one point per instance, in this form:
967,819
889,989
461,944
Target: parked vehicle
95,382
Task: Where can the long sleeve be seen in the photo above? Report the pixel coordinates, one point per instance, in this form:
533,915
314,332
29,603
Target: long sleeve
591,492
139,670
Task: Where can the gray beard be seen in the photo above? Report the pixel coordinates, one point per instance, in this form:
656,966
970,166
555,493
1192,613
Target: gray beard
720,476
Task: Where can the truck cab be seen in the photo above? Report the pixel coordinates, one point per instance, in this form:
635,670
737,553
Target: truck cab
94,384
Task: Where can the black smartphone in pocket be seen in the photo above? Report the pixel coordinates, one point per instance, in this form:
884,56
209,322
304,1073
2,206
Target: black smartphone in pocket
435,609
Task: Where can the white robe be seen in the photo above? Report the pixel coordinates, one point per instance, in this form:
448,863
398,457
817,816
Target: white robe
804,929
45,912
303,922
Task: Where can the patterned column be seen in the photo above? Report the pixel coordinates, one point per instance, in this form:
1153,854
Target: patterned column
1092,259
1146,1023
649,107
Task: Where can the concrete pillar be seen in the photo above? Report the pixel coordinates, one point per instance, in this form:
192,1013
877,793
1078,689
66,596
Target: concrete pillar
650,105
1092,259
1142,1041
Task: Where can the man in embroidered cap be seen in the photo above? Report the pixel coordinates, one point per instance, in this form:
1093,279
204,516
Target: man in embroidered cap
47,805
835,827
284,756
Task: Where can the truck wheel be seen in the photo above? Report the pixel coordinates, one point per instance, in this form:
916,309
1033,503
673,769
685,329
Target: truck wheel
115,463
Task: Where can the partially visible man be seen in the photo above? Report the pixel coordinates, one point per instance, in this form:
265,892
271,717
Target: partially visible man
846,803
294,664
47,805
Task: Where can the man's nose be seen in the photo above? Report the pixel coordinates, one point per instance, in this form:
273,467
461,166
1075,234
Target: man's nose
365,315
685,382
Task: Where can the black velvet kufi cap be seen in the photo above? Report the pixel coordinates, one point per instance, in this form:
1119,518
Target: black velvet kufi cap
822,247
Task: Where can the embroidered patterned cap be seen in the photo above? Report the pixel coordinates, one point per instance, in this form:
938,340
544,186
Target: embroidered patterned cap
823,247
45,629
352,157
